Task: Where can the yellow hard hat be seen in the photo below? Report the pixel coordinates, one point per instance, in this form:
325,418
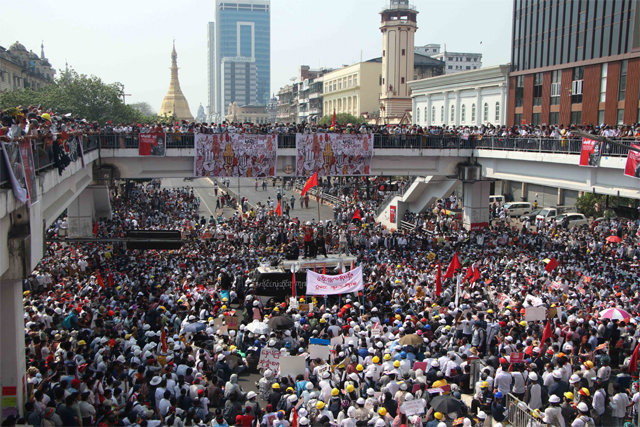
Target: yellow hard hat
350,388
447,328
210,319
387,356
46,116
301,299
569,395
398,317
322,320
523,323
82,342
375,359
396,364
275,385
289,389
484,384
438,416
399,266
225,299
320,405
588,364
233,347
382,411
224,307
490,311
335,392
276,309
359,368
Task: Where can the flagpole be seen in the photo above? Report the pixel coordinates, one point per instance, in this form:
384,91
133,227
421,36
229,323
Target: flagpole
318,200
458,290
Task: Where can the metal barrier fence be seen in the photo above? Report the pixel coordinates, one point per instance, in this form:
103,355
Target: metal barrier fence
520,415
43,154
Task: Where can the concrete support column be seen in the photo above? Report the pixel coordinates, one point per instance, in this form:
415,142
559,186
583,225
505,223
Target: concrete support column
475,208
524,194
560,200
93,203
12,357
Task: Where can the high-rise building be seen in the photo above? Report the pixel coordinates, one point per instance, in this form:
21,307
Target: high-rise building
399,24
574,62
239,51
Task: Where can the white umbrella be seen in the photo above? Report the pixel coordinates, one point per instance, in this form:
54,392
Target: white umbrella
258,328
614,314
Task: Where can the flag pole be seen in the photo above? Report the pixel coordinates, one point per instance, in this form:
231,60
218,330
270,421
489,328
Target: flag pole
318,200
458,290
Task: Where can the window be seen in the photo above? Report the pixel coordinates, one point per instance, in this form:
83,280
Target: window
622,87
576,117
473,113
463,113
452,116
418,114
576,86
535,119
442,114
600,117
433,114
519,90
425,115
517,119
497,112
355,80
485,112
401,80
449,67
554,118
537,89
620,116
603,82
555,87
383,51
402,52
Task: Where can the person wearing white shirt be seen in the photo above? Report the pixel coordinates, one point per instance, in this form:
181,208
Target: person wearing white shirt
503,381
598,403
619,404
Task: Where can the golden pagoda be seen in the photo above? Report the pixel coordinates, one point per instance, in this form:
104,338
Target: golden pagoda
174,103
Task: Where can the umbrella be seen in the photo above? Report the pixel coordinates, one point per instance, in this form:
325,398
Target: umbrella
281,322
195,327
614,239
411,339
258,328
446,404
615,314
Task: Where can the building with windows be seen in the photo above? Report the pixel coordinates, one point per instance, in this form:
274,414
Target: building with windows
455,62
239,42
301,101
575,62
23,69
353,89
469,98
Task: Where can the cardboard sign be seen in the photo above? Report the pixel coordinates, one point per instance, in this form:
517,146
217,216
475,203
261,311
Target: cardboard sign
376,332
321,352
413,407
292,366
335,341
233,322
304,308
533,314
322,369
269,359
420,365
516,358
443,389
319,341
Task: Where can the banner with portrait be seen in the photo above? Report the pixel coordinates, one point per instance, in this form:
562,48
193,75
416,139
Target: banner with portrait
590,153
333,154
242,155
26,154
152,144
632,168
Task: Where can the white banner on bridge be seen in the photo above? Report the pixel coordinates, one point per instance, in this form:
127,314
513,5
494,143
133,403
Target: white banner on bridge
333,154
244,155
323,284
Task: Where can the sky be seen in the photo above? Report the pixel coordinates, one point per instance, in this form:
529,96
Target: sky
130,41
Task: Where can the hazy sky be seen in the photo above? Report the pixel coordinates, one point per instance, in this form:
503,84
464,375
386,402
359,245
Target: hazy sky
130,41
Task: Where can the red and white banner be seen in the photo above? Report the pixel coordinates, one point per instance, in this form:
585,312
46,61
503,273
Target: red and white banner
590,153
244,155
26,152
333,154
632,167
152,144
323,284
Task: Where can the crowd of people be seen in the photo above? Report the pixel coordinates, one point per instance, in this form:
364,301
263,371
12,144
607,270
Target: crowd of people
169,337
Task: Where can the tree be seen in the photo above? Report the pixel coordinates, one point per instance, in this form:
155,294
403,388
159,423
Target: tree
597,205
144,108
342,119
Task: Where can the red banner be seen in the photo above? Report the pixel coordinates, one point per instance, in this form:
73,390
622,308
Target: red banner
26,152
590,153
633,162
152,144
392,214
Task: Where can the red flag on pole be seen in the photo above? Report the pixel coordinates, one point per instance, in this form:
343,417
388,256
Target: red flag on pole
438,281
333,122
453,267
476,275
311,182
110,280
633,362
546,334
356,215
100,280
551,265
95,228
163,340
294,420
279,209
469,274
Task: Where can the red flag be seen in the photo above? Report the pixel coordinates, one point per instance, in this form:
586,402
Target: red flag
100,280
438,281
163,340
469,274
333,122
324,269
546,334
476,275
293,284
551,265
633,362
95,229
294,420
355,194
356,215
110,280
311,182
279,209
453,267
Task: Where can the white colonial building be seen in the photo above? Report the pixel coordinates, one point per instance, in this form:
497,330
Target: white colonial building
470,98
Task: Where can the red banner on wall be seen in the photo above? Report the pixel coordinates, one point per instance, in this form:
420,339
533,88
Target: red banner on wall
152,144
632,167
590,153
392,214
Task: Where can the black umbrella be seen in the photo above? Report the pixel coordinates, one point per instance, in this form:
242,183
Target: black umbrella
446,404
281,322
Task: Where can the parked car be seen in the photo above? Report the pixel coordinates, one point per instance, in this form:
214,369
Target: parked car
571,219
496,198
531,216
547,214
517,209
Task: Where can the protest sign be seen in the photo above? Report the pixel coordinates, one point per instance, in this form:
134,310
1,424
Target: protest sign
516,358
319,351
269,359
533,314
291,366
420,365
323,284
413,407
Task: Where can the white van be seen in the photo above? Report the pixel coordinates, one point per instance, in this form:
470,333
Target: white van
496,198
517,209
